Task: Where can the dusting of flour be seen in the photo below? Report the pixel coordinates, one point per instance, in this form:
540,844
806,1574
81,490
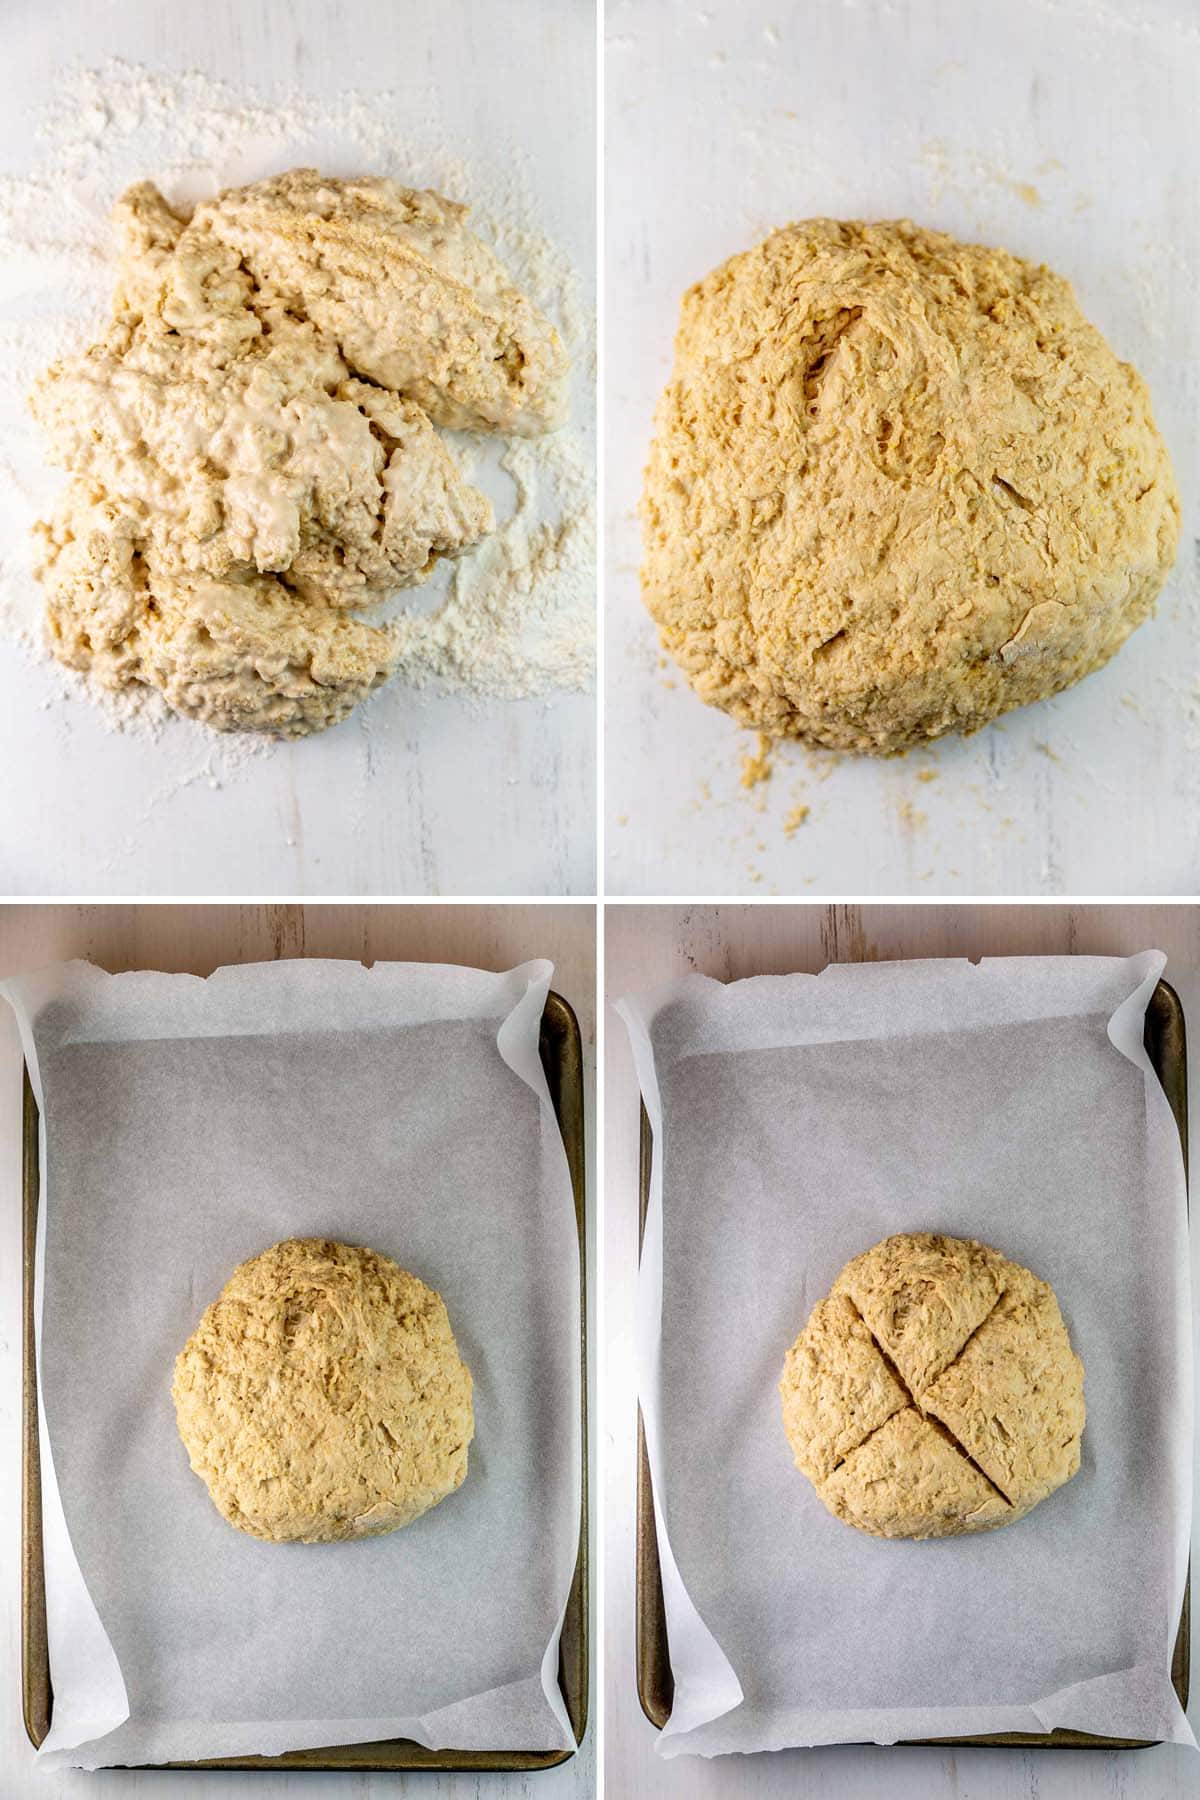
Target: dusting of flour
516,618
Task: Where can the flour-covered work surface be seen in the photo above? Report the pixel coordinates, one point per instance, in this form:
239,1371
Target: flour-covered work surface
901,340
312,341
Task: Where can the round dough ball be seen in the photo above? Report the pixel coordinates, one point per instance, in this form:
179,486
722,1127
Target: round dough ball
322,1395
898,486
934,1390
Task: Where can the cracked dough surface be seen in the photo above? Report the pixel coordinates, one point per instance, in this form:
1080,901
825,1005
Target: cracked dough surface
252,445
934,1390
322,1396
898,486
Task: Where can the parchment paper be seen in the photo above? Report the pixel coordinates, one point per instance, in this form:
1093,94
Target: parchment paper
186,1125
799,1119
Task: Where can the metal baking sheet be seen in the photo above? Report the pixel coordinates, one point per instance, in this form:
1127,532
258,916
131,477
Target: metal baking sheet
562,1059
1166,1046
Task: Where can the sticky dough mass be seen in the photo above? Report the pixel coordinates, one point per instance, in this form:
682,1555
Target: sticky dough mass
898,486
322,1396
252,445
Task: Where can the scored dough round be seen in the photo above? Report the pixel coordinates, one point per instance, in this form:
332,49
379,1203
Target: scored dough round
322,1395
898,486
934,1390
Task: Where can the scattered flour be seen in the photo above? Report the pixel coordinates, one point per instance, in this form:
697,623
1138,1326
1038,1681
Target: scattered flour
535,571
513,621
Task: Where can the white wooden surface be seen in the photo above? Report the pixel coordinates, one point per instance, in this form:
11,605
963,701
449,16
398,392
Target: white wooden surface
1066,130
412,795
198,940
645,946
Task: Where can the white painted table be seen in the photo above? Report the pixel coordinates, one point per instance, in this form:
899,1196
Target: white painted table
199,939
1065,130
644,947
413,794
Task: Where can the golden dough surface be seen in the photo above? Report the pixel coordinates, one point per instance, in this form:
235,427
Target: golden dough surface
322,1395
934,1390
898,485
921,1296
909,1480
837,1388
253,443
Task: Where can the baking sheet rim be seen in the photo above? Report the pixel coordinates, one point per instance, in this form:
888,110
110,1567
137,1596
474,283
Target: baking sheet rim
655,1681
561,1050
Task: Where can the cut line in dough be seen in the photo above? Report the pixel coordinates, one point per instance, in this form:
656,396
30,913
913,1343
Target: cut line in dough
932,1418
934,1390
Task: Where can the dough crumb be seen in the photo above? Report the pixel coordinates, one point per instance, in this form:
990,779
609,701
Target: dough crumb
756,766
911,816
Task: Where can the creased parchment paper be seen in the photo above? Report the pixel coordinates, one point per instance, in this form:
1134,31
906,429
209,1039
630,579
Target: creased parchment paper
186,1125
799,1119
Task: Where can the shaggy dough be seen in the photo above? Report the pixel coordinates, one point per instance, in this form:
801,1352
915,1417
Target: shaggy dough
837,1389
910,1480
921,1297
322,1395
934,1390
898,486
252,446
